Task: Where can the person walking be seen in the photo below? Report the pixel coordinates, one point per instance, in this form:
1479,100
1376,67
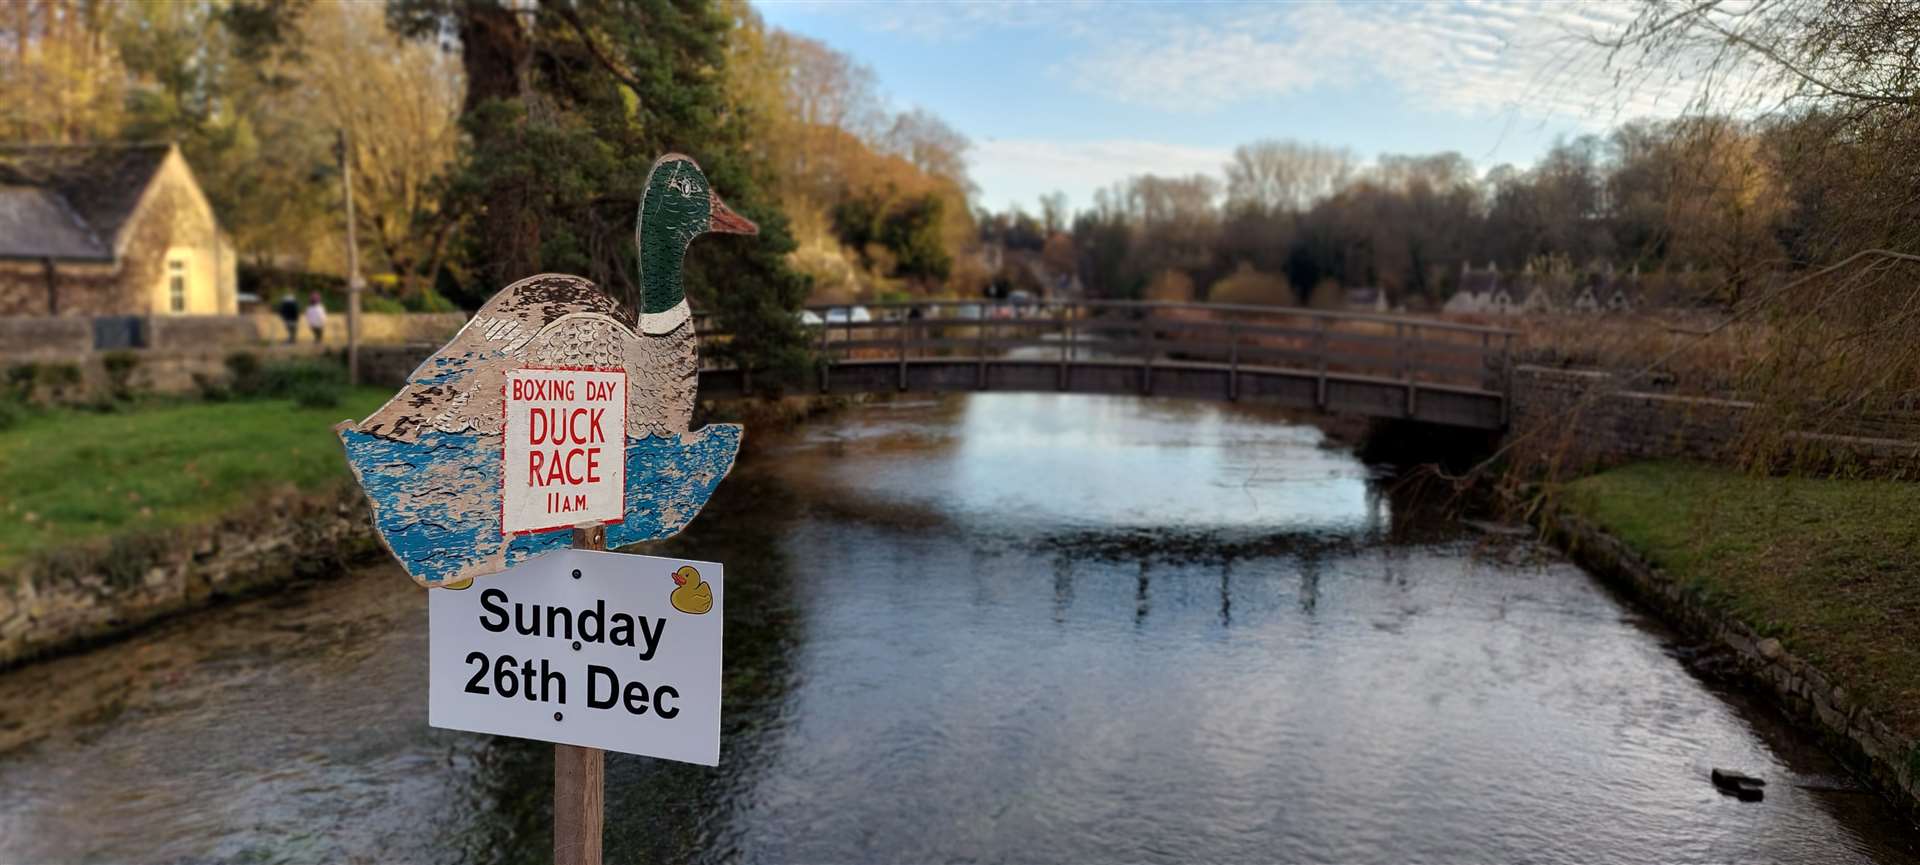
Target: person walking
290,314
317,318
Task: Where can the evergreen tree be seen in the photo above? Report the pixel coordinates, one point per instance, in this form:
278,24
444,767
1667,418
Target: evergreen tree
568,104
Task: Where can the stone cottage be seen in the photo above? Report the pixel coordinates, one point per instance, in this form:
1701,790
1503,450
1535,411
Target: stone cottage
109,229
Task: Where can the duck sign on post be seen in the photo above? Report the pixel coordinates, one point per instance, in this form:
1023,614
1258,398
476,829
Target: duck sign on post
557,414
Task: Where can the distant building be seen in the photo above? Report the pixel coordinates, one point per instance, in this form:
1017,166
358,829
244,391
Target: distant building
1475,294
1369,298
112,229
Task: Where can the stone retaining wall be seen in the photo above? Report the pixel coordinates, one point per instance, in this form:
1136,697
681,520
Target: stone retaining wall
376,328
198,332
70,337
74,597
1609,426
1889,760
45,337
1582,421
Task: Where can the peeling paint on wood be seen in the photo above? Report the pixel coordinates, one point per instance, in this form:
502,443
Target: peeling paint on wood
430,459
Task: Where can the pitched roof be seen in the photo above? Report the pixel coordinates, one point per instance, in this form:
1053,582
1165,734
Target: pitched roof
56,194
37,223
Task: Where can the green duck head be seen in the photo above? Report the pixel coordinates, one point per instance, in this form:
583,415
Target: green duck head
676,206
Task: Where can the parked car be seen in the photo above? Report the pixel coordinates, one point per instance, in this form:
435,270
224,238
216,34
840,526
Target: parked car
846,314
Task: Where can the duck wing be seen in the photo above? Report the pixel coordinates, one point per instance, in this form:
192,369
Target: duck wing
436,499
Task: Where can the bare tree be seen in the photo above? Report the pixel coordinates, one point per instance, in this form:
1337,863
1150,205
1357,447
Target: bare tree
930,145
1270,175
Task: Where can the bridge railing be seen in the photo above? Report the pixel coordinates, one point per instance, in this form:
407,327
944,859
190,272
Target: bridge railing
1396,348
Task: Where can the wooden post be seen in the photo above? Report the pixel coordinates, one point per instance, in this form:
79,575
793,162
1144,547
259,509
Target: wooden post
980,348
1144,333
1065,316
579,774
354,283
1233,361
1320,351
826,353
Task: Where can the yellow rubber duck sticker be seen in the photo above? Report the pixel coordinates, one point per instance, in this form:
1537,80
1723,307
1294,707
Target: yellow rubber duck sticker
693,596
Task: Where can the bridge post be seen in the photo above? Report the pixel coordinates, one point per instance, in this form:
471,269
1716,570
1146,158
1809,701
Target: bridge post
1400,350
1065,316
1233,361
1506,374
1145,327
1320,361
826,353
980,348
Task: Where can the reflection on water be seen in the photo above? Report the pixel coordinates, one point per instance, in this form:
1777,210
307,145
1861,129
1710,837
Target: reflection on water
1057,629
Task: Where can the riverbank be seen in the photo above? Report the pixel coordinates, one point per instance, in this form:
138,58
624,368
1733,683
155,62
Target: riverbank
1812,584
117,520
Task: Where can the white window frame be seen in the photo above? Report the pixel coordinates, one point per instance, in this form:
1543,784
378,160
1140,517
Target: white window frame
177,286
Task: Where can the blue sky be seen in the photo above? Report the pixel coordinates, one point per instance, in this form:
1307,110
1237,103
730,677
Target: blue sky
1072,96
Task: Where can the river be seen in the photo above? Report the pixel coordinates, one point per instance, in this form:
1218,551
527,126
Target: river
994,628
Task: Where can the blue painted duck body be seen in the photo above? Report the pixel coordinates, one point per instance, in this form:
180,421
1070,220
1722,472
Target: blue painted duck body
430,459
437,498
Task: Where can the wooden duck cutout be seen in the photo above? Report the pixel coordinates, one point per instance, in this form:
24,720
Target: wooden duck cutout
429,459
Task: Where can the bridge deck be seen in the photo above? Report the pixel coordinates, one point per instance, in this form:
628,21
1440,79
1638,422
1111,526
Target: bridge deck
1342,393
1376,366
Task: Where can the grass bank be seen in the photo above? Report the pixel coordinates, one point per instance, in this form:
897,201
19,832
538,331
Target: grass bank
69,477
1829,567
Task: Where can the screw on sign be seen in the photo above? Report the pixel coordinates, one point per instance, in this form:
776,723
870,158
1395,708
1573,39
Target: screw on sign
556,416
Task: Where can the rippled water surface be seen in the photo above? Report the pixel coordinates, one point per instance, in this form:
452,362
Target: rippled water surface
1001,628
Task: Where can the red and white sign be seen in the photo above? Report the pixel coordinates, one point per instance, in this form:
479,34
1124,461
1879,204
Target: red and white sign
565,456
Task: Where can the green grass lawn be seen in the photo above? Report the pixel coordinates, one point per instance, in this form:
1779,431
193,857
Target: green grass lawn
1831,567
71,476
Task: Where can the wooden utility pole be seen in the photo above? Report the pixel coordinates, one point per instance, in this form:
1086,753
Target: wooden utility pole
579,774
354,282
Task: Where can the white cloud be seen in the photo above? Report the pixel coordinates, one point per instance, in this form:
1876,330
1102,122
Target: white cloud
1468,58
1078,168
1473,58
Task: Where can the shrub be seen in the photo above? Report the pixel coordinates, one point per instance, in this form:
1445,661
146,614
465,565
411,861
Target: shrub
211,389
380,303
243,371
1249,286
43,382
311,383
429,300
1171,286
12,412
120,366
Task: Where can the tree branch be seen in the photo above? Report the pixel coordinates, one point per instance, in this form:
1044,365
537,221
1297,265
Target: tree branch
572,17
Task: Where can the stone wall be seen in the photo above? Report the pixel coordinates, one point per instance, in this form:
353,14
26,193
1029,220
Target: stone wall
1890,760
70,337
1583,420
76,596
376,328
45,337
81,289
198,332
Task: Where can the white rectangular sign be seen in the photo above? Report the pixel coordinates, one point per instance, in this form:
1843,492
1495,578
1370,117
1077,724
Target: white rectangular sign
565,453
602,650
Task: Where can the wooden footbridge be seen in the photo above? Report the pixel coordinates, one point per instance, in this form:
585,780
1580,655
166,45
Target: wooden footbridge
1371,365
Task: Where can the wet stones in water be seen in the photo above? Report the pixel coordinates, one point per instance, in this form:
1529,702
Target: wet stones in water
1746,788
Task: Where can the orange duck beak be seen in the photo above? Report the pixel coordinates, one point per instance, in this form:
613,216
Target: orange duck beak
725,221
